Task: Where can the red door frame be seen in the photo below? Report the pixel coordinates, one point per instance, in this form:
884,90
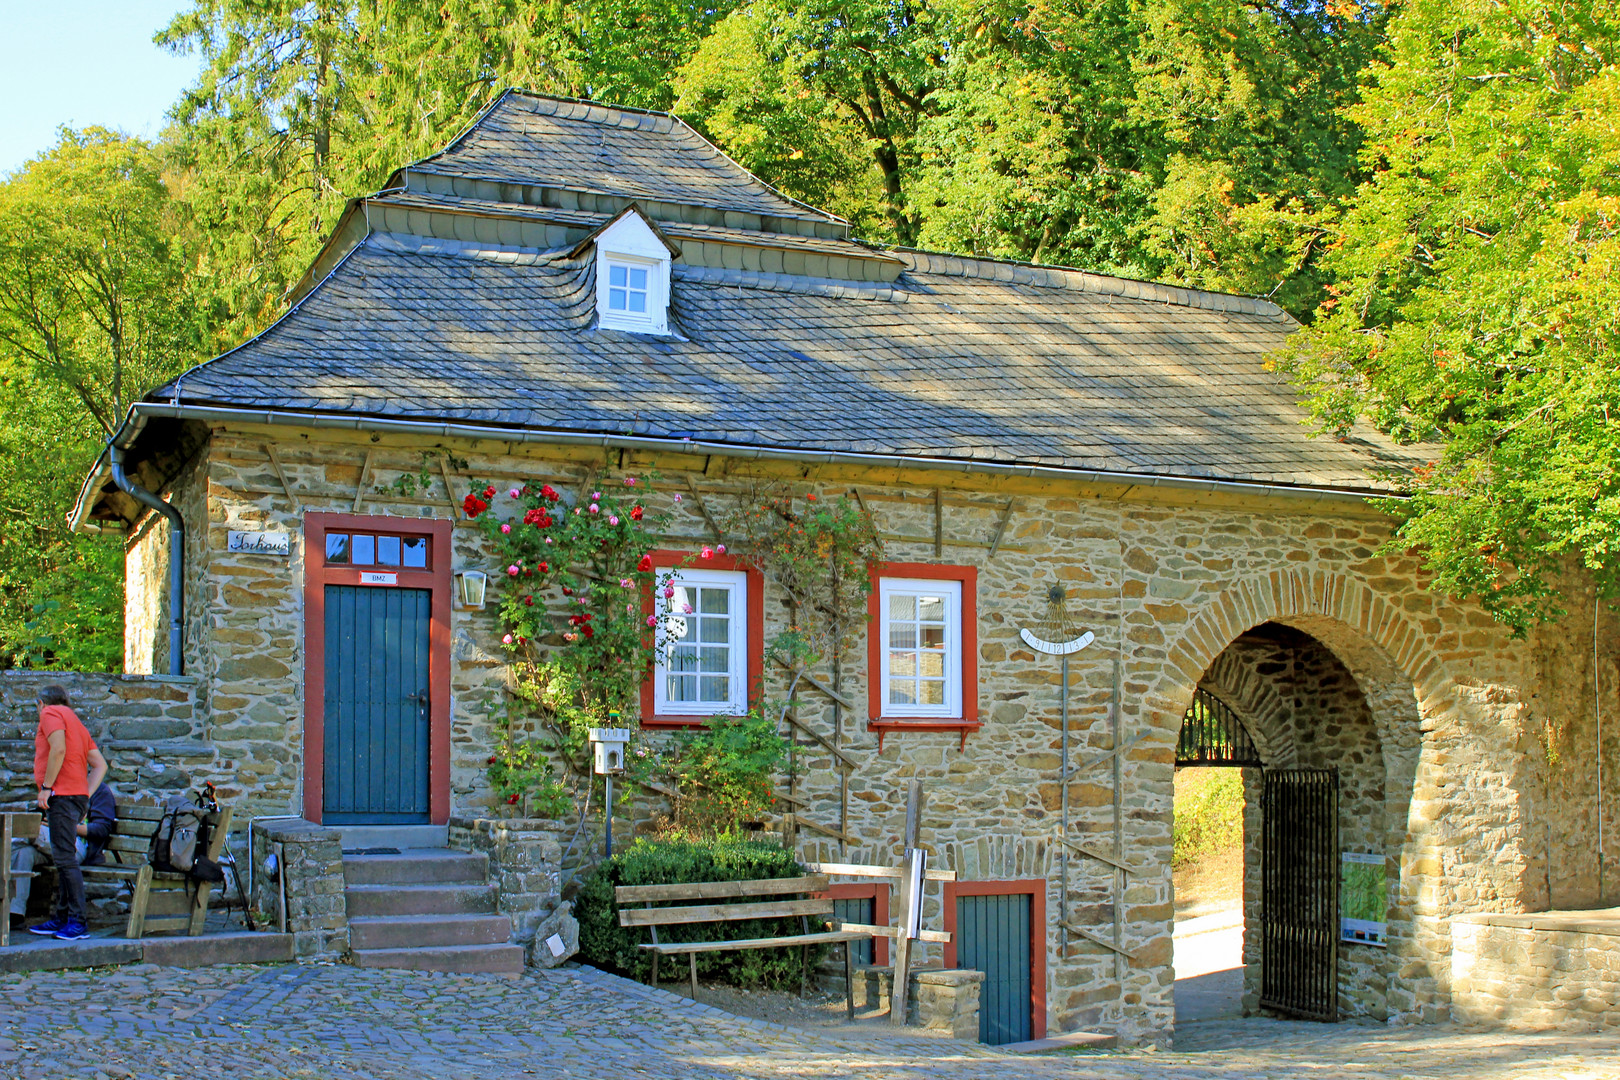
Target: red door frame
1036,888
436,579
879,895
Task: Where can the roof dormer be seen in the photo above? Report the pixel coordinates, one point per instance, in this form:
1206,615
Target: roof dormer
632,274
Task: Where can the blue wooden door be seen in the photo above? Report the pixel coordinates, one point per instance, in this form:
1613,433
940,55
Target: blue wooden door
992,936
377,706
857,909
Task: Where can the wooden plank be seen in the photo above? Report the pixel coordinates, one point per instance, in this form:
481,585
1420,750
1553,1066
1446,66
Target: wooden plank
281,473
669,948
679,916
1001,526
846,702
858,870
133,841
825,742
719,890
132,811
137,905
360,489
697,500
938,936
824,830
1093,854
1099,940
939,524
450,489
21,826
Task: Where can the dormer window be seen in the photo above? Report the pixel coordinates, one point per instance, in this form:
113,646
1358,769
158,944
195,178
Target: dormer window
632,275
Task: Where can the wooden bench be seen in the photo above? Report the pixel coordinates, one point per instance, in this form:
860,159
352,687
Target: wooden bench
161,899
820,909
13,826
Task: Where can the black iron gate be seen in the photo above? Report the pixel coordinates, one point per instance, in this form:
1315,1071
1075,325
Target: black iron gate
1299,915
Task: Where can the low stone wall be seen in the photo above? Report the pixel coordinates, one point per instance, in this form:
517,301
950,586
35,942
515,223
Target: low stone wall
310,859
147,726
525,865
939,999
1554,969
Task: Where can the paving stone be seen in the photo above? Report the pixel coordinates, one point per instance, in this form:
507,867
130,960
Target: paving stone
345,1023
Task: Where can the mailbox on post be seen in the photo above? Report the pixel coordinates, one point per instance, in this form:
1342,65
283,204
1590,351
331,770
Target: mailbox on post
607,758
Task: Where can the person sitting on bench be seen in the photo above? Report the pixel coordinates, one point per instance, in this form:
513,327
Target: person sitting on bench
94,832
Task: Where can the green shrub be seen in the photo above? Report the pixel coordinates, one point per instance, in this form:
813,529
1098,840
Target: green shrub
605,944
1208,818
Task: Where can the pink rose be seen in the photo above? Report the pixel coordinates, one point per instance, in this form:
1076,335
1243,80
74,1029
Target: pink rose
613,519
596,494
629,481
652,620
721,549
669,592
686,609
548,539
506,528
595,509
677,496
570,636
629,609
707,553
507,640
625,583
513,570
515,493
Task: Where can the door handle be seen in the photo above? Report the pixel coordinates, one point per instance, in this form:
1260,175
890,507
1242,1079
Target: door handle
421,698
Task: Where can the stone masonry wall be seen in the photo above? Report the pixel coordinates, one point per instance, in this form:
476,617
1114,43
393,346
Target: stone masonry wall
1165,586
1525,972
310,862
148,728
525,865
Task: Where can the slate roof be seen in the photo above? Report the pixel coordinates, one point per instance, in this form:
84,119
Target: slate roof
957,358
582,146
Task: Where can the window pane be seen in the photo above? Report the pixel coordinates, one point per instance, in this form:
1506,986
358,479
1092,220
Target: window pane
715,631
931,608
933,693
931,665
714,601
716,688
387,551
616,276
902,635
902,607
675,628
683,658
638,278
337,547
638,301
364,552
616,299
902,663
933,637
683,688
415,551
716,660
902,692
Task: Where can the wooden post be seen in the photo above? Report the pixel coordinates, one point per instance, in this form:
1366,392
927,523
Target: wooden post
910,899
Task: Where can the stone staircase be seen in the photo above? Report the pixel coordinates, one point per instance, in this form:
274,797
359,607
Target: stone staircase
428,909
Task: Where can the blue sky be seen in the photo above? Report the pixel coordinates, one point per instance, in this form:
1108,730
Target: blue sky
83,62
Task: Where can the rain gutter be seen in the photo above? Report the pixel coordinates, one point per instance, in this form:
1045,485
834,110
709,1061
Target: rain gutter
177,554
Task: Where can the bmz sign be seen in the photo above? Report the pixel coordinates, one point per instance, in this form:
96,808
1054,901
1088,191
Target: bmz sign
259,543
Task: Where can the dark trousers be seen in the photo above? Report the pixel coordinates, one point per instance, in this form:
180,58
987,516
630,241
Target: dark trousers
64,815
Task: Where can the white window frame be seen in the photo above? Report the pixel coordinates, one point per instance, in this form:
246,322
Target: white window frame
951,591
737,703
653,320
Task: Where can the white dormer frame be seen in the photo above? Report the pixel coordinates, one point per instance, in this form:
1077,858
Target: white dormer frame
631,242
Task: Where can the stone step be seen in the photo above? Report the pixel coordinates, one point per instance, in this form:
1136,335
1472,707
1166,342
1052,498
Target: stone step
429,931
394,836
417,867
367,901
460,959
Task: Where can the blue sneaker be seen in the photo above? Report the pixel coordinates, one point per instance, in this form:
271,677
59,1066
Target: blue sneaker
48,928
73,931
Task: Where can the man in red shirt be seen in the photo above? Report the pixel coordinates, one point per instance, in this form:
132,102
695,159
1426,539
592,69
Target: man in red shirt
67,768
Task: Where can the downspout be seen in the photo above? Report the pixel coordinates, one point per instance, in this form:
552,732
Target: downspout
177,555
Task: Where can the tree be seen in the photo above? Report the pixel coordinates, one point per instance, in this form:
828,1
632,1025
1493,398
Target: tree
1477,307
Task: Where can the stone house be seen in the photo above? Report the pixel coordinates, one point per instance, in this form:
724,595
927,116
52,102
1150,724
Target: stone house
575,293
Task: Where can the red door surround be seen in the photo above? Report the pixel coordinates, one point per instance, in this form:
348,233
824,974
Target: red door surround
435,576
1036,888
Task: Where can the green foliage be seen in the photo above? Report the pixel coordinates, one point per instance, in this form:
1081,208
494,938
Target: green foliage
1208,818
95,308
723,774
575,572
1476,304
605,944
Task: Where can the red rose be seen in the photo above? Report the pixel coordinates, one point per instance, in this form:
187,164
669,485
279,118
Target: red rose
544,567
549,493
473,505
492,759
635,513
567,591
645,564
588,631
528,601
511,800
489,492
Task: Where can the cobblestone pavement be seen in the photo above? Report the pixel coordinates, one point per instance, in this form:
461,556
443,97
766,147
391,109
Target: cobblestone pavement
344,1023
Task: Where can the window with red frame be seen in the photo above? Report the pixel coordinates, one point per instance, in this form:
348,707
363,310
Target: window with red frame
922,648
711,635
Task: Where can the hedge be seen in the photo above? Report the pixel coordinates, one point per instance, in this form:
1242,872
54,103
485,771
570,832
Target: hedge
605,944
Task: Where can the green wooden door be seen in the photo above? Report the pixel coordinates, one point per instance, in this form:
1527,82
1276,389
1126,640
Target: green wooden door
377,706
992,936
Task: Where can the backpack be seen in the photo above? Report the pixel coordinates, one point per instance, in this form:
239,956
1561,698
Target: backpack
181,829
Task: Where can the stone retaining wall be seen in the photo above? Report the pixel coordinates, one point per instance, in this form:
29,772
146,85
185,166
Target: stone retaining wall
939,999
1556,969
525,865
148,727
310,861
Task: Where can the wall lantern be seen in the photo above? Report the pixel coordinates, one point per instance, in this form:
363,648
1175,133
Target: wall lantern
470,585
